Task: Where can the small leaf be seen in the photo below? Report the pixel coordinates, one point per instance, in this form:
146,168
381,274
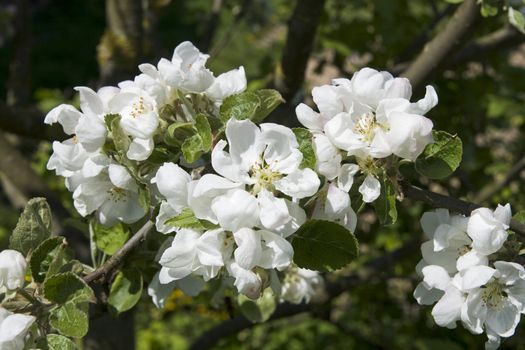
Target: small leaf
204,131
304,138
488,10
255,106
270,99
110,239
385,205
48,258
187,219
177,133
517,19
259,310
67,287
442,157
59,342
120,139
239,106
70,319
192,148
125,291
33,227
323,246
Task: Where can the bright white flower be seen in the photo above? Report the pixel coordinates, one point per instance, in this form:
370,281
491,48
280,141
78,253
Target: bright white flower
257,249
186,70
450,247
13,329
488,229
371,115
334,205
266,159
113,193
172,182
301,285
328,157
12,270
193,252
226,84
496,299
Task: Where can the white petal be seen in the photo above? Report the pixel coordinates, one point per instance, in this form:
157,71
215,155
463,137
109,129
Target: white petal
249,250
470,259
426,103
236,209
327,155
328,100
345,180
277,253
309,118
476,276
408,134
337,202
448,309
504,319
299,184
67,115
503,214
91,132
90,102
426,295
224,165
432,219
172,182
140,149
370,189
273,211
436,277
244,142
226,84
121,178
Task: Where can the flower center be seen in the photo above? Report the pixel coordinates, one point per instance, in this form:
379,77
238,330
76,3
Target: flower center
138,108
493,294
463,250
117,194
367,125
263,176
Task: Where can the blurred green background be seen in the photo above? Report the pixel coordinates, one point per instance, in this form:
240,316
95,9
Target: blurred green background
481,99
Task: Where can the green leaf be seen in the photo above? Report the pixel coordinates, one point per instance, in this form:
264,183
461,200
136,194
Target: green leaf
323,246
255,106
259,310
67,287
125,291
517,19
120,139
144,198
270,99
110,239
48,258
70,319
304,138
59,342
440,158
385,205
239,106
187,219
488,10
33,227
192,148
204,131
177,133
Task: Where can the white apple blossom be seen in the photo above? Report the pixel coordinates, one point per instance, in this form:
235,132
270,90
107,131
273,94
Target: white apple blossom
266,160
113,194
301,285
488,229
13,267
496,300
194,252
333,204
13,329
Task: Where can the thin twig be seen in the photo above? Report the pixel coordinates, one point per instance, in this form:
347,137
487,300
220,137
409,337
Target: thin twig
443,44
120,255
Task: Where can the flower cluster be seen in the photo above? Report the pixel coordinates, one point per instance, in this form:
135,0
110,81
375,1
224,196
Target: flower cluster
363,121
465,275
106,184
